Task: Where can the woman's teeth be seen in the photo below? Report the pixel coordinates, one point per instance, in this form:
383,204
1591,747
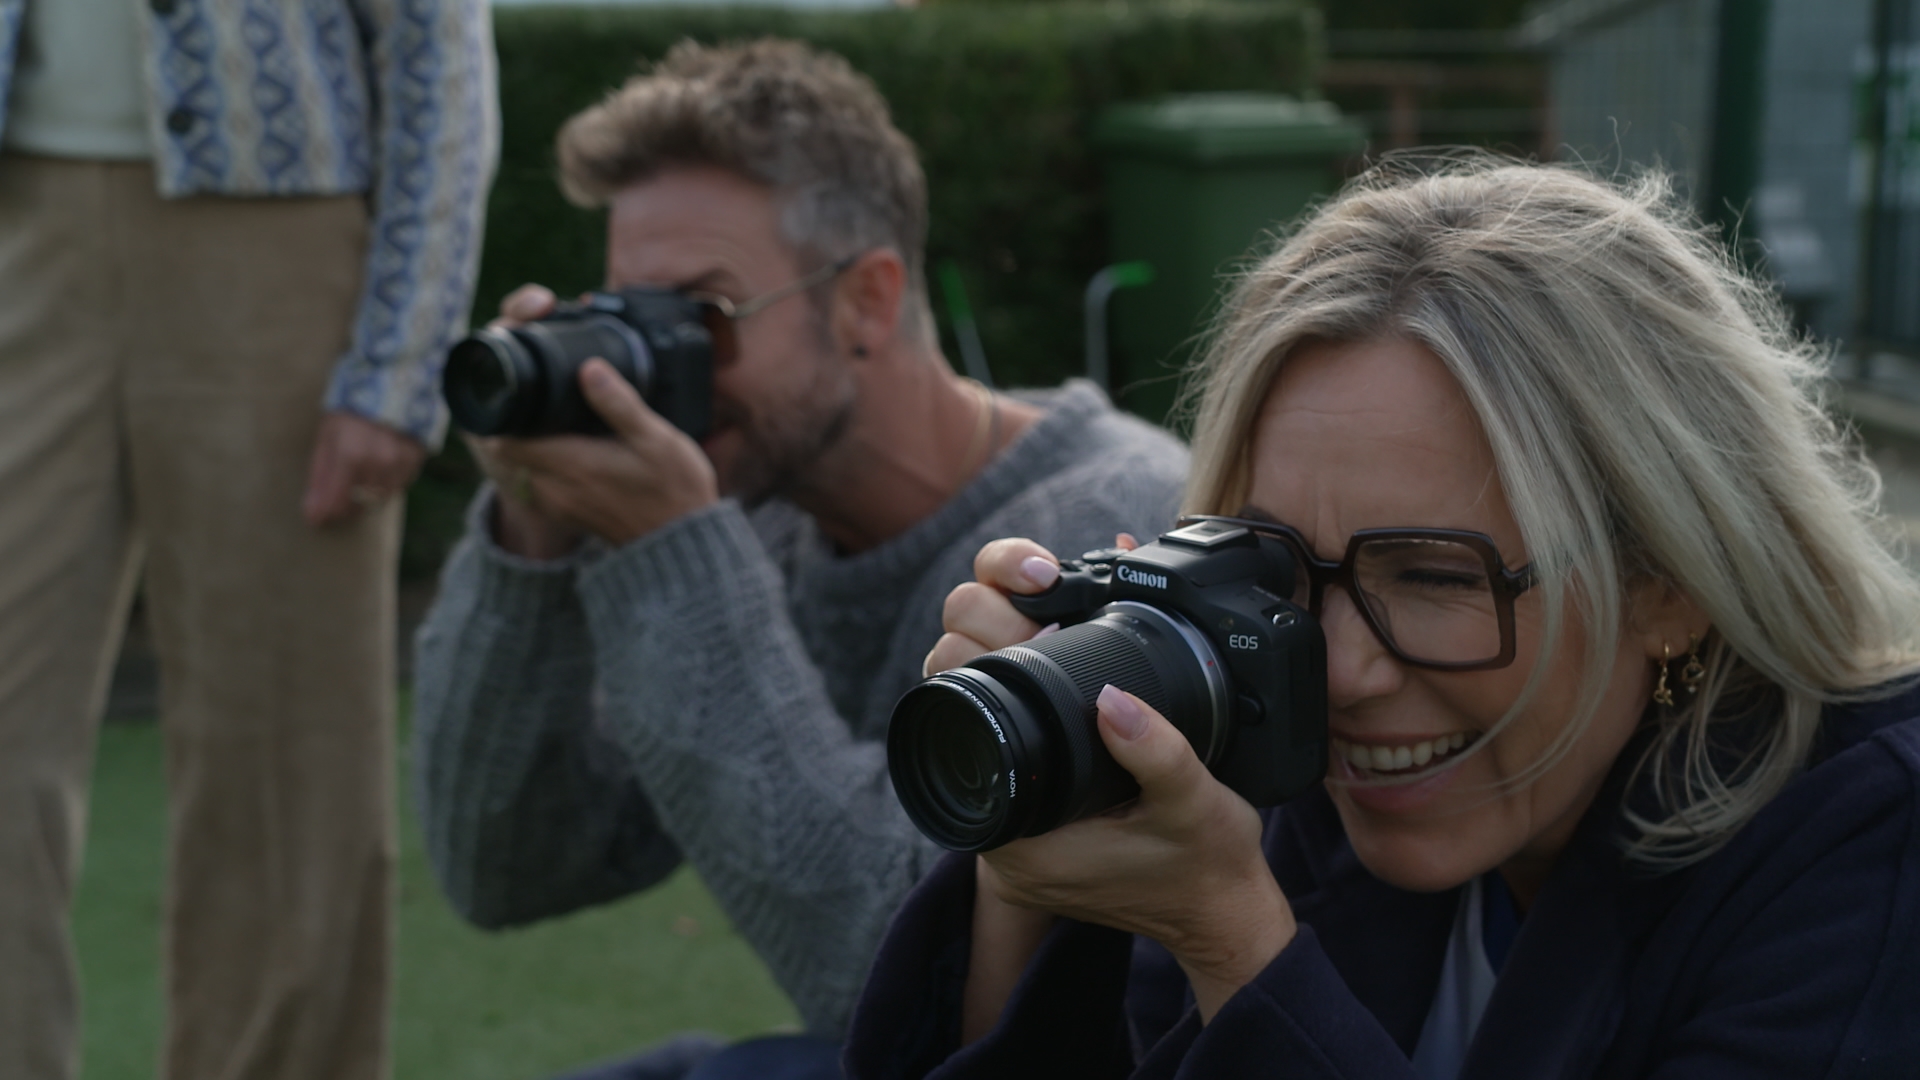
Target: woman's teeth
1394,758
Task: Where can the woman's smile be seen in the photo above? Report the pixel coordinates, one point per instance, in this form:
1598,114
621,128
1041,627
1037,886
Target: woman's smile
1436,776
1391,756
1392,775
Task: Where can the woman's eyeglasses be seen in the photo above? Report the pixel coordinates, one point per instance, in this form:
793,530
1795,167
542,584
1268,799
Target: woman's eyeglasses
1436,598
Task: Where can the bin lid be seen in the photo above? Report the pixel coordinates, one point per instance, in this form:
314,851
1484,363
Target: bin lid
1228,127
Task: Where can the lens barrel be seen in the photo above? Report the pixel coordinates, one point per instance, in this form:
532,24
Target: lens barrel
524,380
487,382
1007,746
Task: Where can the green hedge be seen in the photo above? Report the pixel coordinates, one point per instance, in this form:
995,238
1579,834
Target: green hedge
998,98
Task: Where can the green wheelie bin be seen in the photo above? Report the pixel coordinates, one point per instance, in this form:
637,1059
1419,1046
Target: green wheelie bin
1196,185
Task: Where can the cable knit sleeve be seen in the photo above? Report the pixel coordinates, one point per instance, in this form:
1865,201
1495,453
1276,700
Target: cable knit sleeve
790,819
529,810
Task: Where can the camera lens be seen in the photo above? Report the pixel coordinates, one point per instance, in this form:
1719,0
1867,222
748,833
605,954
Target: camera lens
1006,745
947,745
962,761
524,380
488,381
971,757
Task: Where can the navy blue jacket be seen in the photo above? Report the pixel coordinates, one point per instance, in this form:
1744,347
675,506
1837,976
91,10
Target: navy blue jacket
1791,952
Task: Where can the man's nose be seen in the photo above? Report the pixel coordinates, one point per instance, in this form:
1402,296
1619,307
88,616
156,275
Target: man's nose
1359,666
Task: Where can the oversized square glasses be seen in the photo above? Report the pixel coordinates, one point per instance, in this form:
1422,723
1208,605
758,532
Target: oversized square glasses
1436,598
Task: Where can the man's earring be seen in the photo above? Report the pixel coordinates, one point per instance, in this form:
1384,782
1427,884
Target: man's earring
1661,694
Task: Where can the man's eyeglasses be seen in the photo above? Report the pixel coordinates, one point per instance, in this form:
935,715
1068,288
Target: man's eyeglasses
722,316
1436,598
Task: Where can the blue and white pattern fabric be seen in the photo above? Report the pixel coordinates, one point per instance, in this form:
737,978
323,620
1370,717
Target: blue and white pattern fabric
391,99
13,16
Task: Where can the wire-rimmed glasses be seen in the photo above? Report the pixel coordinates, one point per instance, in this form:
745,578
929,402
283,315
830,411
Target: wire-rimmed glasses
721,315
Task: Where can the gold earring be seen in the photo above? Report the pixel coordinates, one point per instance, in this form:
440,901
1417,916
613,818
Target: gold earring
1693,671
1661,694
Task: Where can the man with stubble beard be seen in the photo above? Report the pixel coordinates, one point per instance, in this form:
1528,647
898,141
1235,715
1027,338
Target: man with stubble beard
650,650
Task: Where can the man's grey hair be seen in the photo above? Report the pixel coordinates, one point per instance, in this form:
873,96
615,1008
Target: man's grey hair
800,121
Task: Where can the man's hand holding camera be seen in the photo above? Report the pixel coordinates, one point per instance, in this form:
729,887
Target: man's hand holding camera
556,490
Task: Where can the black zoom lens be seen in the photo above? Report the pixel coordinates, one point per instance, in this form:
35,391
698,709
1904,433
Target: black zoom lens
524,380
1006,746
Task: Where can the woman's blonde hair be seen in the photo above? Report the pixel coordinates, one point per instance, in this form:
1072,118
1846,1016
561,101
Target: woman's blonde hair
1652,415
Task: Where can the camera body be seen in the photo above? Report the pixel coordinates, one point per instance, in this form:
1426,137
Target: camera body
1195,624
524,381
1223,580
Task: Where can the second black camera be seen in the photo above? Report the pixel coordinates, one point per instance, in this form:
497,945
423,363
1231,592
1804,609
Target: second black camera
1195,624
525,380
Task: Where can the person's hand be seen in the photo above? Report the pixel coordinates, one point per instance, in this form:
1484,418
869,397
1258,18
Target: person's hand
978,618
356,464
1182,864
525,304
556,489
1005,936
520,528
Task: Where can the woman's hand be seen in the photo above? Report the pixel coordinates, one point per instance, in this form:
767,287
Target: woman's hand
979,619
1005,937
1182,864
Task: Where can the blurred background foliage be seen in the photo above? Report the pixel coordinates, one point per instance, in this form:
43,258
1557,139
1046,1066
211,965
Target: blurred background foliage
998,100
998,97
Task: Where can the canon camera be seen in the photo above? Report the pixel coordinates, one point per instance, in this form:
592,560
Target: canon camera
1194,624
525,380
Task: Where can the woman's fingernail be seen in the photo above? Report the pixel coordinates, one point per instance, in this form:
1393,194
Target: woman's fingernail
1041,572
1123,712
1045,630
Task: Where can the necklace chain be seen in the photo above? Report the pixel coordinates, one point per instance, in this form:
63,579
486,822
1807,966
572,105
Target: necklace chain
986,431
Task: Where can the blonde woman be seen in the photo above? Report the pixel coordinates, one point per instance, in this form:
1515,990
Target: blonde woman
1646,808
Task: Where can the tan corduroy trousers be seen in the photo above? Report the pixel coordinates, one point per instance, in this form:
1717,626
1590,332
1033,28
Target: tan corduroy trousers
161,368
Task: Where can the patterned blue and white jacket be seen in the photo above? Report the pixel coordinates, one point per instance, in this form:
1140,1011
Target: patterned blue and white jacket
391,99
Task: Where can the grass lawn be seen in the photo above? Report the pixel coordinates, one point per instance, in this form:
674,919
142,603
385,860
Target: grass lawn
512,1006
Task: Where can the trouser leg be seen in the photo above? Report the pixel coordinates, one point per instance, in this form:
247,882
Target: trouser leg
275,643
65,567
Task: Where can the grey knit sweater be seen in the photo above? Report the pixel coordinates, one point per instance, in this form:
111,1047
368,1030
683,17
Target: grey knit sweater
718,691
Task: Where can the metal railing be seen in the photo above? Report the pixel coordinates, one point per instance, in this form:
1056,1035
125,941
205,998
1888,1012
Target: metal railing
1887,306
